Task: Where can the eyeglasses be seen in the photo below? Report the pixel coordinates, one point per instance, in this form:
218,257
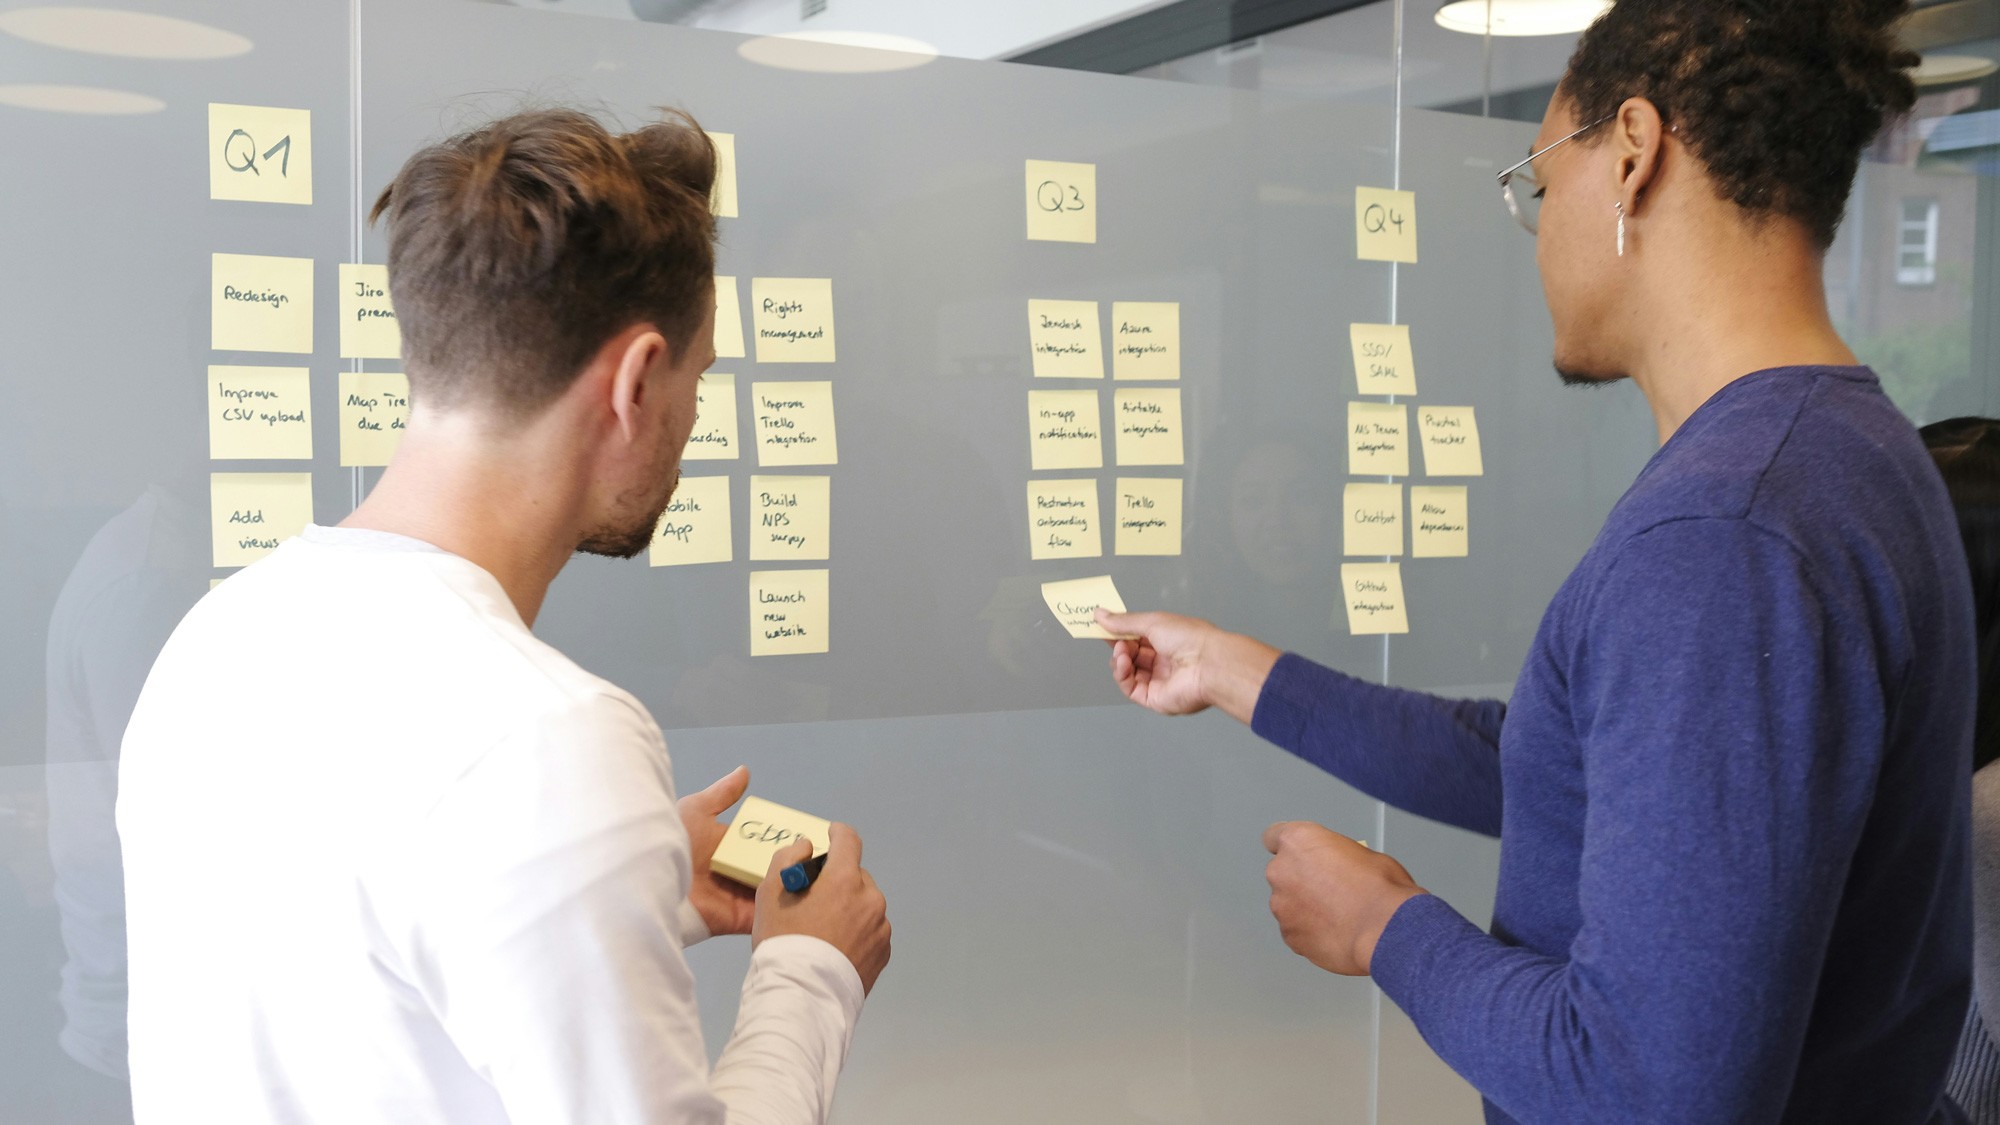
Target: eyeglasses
1527,208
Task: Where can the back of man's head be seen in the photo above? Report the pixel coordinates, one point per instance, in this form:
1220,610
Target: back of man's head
518,249
1776,98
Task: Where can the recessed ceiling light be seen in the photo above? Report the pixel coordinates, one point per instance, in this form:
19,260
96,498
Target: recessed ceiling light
78,99
1941,70
838,52
134,35
1521,17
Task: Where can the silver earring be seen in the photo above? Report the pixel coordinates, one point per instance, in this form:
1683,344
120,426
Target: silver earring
1621,227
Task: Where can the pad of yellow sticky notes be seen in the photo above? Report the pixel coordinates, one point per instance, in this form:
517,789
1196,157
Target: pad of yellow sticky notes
761,830
1075,603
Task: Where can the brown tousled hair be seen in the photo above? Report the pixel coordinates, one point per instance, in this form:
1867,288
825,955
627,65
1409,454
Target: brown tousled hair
517,249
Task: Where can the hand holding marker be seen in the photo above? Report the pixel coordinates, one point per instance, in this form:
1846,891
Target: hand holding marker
800,875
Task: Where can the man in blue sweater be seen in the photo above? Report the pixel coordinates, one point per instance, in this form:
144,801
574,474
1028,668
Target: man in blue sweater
1731,786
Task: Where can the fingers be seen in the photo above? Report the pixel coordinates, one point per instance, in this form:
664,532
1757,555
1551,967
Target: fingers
1274,836
726,791
798,851
1129,624
843,849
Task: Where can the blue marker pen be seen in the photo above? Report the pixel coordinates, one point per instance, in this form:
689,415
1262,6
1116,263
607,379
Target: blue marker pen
799,876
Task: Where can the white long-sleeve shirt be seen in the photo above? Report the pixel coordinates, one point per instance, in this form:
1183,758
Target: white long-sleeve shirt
389,857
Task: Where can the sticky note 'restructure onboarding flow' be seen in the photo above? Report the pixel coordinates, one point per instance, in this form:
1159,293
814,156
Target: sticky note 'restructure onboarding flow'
1063,521
714,437
760,830
1075,603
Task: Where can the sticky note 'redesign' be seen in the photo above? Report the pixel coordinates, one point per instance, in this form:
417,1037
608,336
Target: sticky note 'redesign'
1385,225
1148,511
261,304
1145,340
760,831
259,414
722,200
1062,201
791,518
251,513
794,423
714,435
1062,519
1374,523
793,318
1383,362
259,154
1374,593
1438,522
1378,439
1149,425
1075,603
1064,430
1451,441
695,528
1066,339
728,319
788,612
368,328
374,413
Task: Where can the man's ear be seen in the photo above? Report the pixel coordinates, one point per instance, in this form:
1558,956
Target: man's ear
1637,135
642,348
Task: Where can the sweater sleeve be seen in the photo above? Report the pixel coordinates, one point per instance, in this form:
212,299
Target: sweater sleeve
1434,757
1730,731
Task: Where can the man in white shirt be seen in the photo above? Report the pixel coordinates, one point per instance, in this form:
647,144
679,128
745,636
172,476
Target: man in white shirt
388,856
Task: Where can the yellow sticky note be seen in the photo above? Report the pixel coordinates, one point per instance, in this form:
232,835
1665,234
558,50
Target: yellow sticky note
1451,441
714,435
368,327
1374,598
728,319
794,423
794,319
374,413
1383,363
259,414
1148,511
1378,439
722,200
214,582
1062,201
1076,601
1385,225
1438,523
788,612
1374,521
1066,338
1145,340
695,528
251,513
791,518
1064,430
761,830
259,154
261,304
1149,425
1062,520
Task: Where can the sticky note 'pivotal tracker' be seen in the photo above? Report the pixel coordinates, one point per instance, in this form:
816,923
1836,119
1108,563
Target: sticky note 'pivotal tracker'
761,830
1075,603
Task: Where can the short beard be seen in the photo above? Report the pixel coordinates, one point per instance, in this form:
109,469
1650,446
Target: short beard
1574,377
625,542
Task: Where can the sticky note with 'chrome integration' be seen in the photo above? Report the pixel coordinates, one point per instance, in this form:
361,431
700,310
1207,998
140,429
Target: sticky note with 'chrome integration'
761,830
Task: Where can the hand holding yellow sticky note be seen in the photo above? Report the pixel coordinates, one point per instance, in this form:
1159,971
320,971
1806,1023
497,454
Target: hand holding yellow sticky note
1385,225
1076,602
761,830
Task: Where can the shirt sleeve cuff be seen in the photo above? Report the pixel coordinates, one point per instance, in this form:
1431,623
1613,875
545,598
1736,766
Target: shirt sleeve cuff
815,965
1405,953
693,929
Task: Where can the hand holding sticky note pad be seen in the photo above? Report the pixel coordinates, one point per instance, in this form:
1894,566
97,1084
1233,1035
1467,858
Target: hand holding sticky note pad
761,830
1076,602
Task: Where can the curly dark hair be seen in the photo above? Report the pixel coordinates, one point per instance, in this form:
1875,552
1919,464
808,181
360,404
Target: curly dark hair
1777,98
